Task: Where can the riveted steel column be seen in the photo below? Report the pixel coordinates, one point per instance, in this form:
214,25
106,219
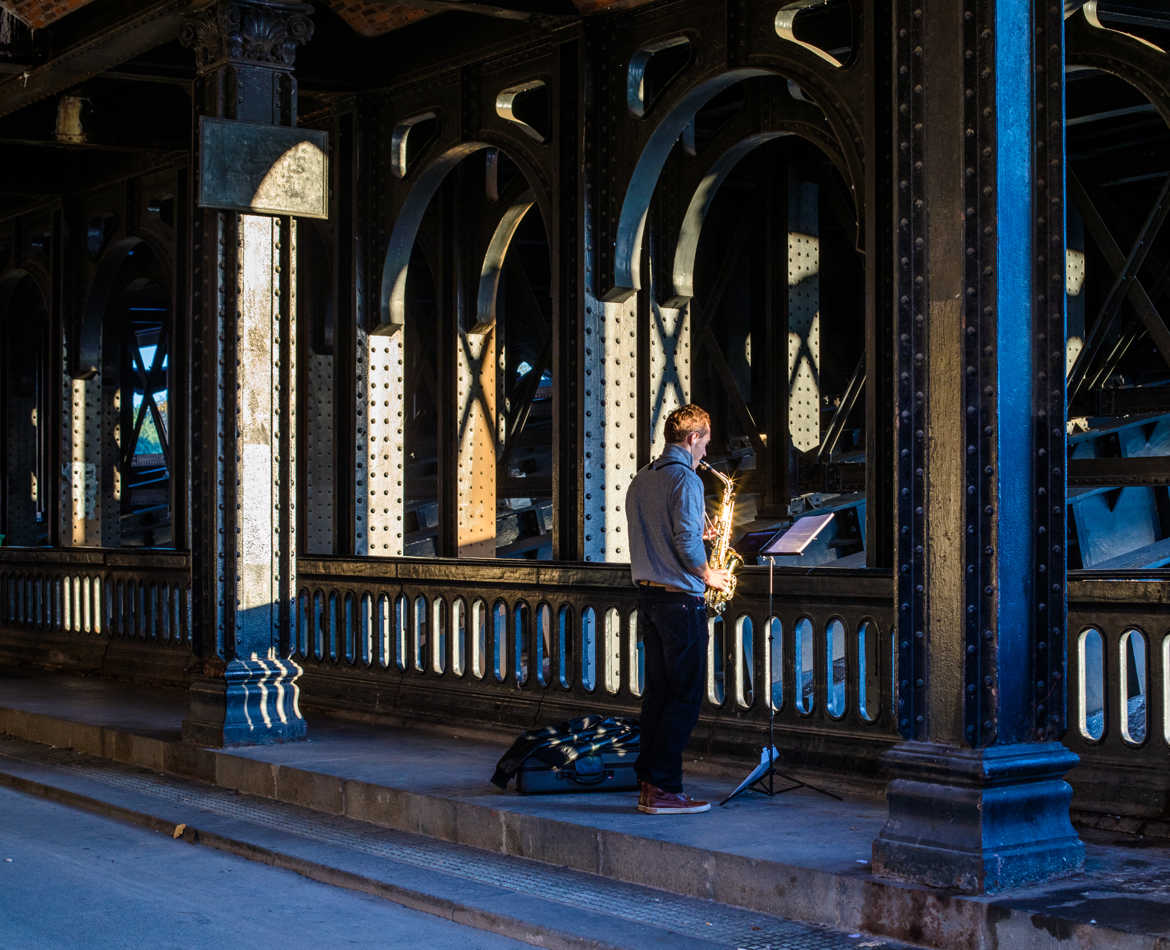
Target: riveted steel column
670,367
378,476
79,399
804,315
609,353
380,395
977,801
475,374
79,499
244,400
610,430
320,477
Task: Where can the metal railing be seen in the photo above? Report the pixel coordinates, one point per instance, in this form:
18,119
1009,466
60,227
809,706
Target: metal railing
1119,690
99,593
519,643
516,643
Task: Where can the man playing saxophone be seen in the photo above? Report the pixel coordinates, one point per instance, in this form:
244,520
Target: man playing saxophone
665,515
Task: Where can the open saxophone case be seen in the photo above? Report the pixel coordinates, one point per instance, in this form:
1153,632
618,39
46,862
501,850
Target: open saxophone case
591,753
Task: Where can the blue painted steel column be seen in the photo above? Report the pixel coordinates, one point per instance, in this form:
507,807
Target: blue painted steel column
977,800
243,347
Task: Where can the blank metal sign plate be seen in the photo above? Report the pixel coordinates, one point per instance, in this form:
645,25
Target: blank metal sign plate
263,169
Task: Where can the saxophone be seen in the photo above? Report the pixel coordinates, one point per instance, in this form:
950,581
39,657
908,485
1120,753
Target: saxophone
723,555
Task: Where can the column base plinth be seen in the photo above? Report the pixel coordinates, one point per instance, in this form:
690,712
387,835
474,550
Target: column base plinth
254,702
978,820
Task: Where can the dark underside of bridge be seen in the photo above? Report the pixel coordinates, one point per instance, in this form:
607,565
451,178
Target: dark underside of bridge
913,261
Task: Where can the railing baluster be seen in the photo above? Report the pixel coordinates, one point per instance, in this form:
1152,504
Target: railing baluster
401,631
366,629
1132,692
588,649
772,669
459,637
714,661
835,668
440,644
385,632
350,621
742,658
96,598
479,641
163,593
634,658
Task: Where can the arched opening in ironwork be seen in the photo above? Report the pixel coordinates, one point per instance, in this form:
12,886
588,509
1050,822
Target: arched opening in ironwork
131,309
1118,301
747,256
467,297
25,426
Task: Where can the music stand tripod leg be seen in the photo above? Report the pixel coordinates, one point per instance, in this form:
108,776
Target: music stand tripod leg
767,770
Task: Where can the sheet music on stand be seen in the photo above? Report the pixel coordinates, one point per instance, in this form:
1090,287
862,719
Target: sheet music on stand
796,539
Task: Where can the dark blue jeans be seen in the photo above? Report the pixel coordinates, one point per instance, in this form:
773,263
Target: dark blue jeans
674,637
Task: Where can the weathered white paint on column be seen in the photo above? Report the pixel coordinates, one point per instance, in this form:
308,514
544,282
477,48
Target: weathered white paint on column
249,362
288,380
475,419
378,481
256,439
804,316
670,368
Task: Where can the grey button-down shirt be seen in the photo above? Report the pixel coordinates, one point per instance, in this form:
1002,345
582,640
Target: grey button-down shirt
664,512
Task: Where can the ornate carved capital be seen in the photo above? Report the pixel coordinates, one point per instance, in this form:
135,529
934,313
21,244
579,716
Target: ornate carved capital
247,32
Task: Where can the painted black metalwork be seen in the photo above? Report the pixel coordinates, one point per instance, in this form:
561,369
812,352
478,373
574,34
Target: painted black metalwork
1049,649
1117,713
641,142
980,377
860,101
911,308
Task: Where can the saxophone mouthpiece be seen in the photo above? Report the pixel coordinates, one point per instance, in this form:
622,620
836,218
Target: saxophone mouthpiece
726,479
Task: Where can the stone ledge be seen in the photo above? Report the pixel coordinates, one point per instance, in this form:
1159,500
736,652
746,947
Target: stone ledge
852,901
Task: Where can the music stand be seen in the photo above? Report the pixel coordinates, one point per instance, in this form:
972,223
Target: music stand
763,777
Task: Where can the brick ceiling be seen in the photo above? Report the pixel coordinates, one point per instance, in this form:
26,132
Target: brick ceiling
40,13
366,17
373,17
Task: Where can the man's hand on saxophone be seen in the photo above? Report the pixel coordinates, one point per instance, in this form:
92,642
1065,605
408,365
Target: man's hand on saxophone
718,578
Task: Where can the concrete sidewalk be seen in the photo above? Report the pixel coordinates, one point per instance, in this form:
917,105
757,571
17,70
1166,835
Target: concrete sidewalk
800,855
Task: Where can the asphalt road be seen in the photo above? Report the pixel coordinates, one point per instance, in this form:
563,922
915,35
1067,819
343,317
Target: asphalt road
71,879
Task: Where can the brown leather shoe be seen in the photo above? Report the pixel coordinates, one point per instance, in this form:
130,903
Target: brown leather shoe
660,802
643,793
